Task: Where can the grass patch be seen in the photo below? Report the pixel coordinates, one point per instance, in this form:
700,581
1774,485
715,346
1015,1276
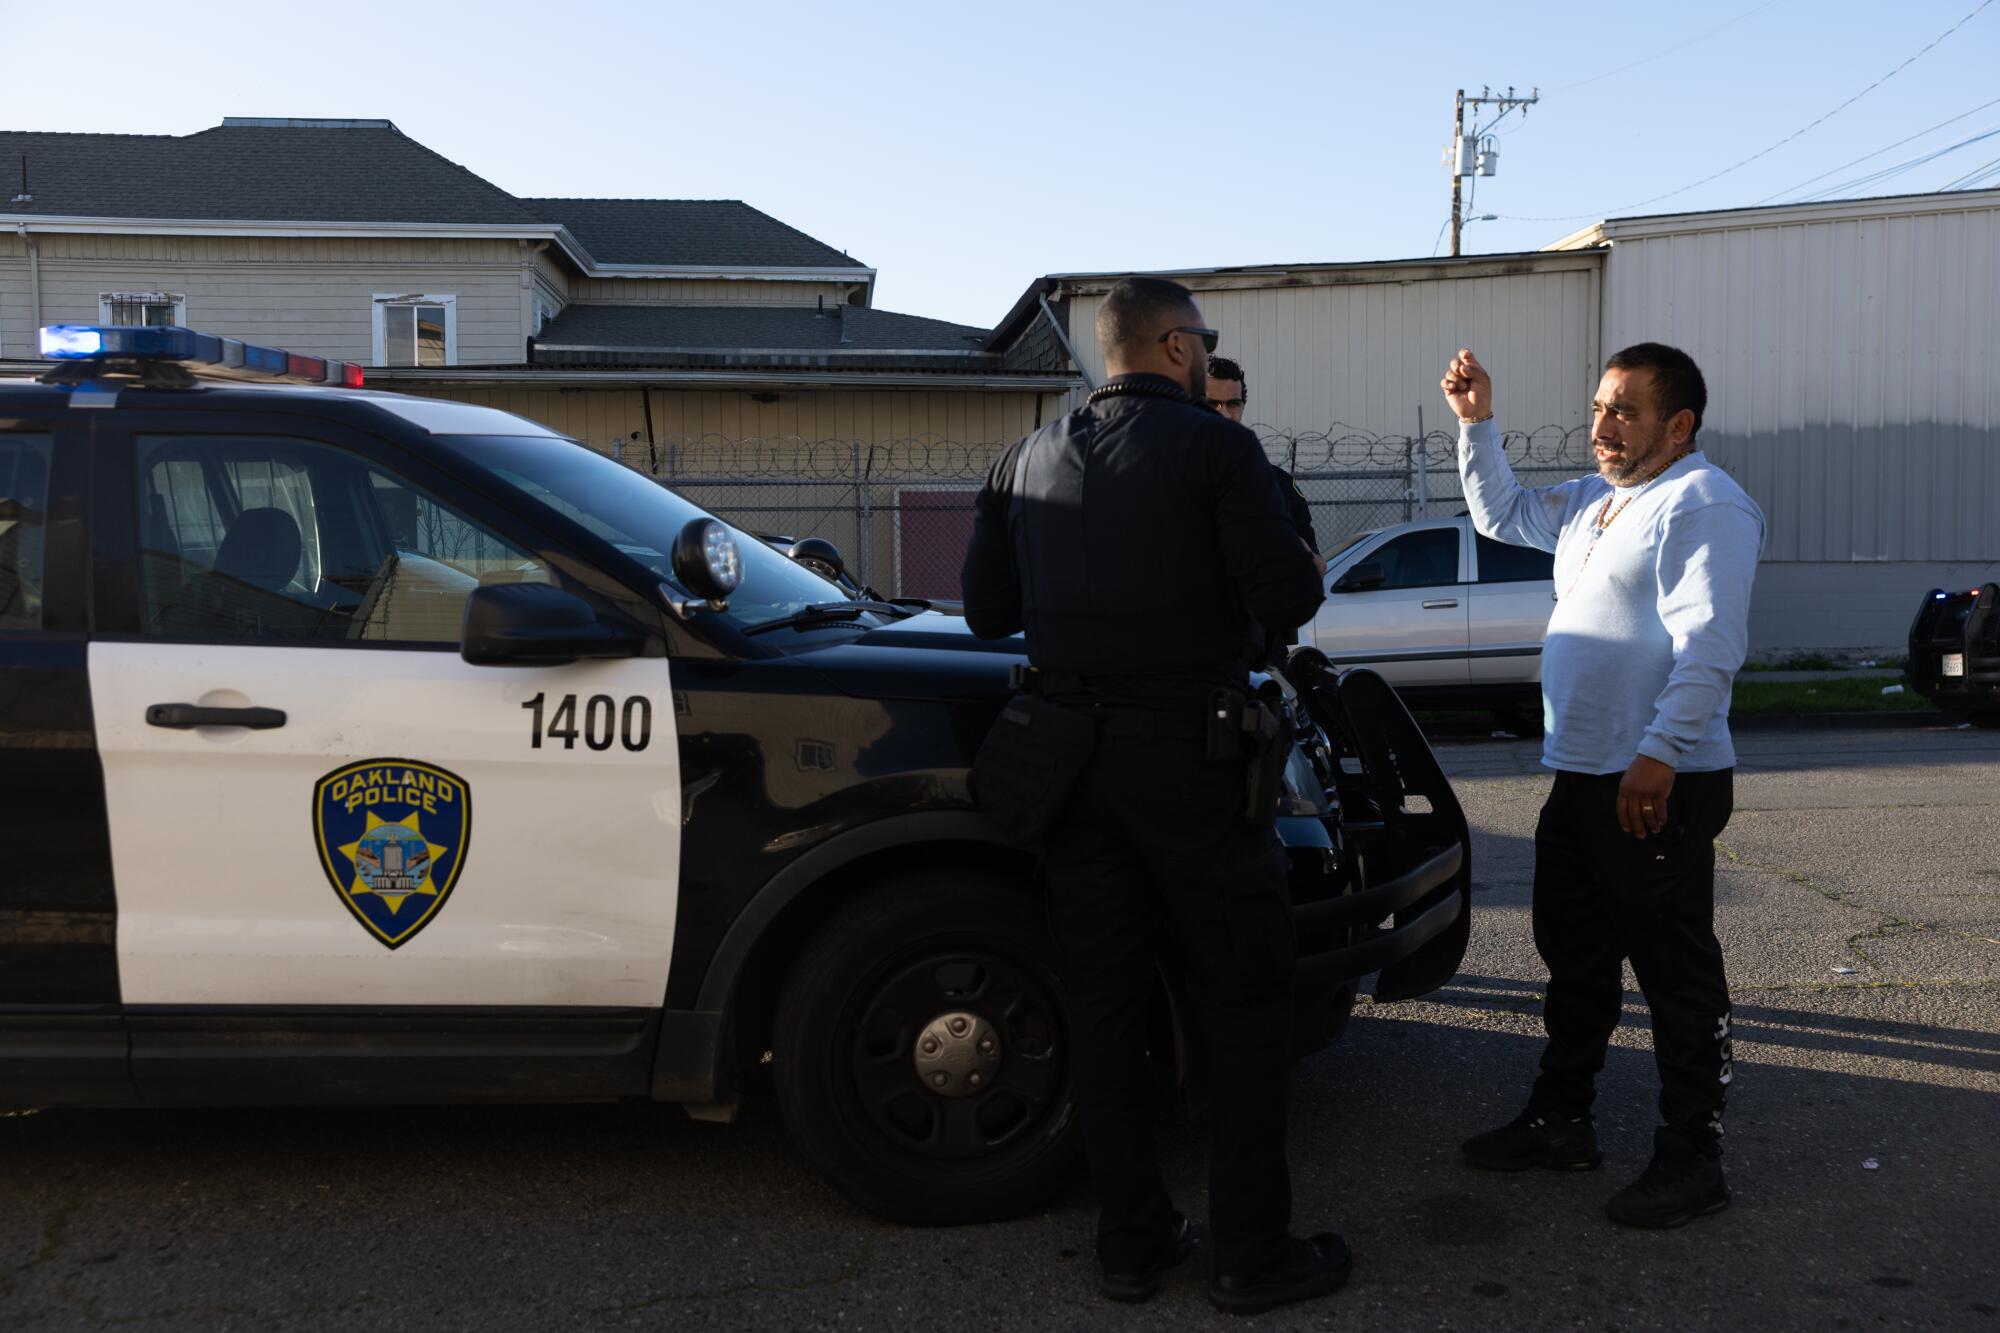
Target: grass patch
1821,662
1823,696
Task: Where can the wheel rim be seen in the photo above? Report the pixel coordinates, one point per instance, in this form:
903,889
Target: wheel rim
957,1054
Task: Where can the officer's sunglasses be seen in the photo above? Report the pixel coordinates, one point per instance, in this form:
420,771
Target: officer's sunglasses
1209,337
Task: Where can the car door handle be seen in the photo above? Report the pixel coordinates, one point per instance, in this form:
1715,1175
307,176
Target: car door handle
1442,604
182,716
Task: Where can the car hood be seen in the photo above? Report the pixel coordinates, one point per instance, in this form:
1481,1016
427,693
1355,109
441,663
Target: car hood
925,656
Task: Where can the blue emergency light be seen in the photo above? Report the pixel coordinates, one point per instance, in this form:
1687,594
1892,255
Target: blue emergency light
154,342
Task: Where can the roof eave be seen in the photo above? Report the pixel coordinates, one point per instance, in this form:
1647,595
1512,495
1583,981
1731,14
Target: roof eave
284,228
1888,205
1023,312
629,377
751,272
553,232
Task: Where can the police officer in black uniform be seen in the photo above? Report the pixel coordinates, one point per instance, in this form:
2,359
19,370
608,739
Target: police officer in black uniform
1134,540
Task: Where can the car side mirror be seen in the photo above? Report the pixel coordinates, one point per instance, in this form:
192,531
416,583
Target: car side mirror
534,624
1364,577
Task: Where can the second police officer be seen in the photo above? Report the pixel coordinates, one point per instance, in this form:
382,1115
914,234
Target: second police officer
1144,545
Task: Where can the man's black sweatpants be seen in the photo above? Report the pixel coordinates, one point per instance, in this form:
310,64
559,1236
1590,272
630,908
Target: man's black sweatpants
1603,896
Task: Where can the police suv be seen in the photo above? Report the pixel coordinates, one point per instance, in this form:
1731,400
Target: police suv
358,748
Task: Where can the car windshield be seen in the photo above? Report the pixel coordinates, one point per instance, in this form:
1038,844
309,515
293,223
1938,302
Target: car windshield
641,518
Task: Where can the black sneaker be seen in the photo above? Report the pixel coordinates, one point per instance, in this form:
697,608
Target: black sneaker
1140,1284
1314,1267
1680,1184
1535,1138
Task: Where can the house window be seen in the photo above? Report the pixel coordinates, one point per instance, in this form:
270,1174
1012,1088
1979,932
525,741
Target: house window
416,330
130,308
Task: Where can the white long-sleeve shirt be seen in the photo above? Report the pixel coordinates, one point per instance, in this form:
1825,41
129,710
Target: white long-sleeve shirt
1649,631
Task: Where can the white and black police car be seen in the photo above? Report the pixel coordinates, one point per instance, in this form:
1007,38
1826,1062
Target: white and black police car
364,748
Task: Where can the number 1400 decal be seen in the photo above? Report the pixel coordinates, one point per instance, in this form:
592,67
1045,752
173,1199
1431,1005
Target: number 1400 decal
604,720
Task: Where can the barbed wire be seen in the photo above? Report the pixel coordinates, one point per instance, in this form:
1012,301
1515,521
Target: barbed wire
1337,449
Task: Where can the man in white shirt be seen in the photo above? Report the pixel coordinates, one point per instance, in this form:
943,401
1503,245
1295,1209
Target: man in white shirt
1654,561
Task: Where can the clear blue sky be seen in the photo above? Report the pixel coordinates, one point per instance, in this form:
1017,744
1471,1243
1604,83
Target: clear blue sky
963,151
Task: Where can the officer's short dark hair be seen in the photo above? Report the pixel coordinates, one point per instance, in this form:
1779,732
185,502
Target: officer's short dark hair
1222,368
1137,310
1677,381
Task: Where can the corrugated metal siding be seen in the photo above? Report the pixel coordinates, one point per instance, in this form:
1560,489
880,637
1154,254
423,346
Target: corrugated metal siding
1847,364
1365,351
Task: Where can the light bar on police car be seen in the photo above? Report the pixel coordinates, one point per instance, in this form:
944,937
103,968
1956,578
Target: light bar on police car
153,342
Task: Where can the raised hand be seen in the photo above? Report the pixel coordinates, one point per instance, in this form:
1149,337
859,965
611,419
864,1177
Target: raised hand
1467,386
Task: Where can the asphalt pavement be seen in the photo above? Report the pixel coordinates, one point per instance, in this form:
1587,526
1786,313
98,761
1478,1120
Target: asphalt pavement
1859,903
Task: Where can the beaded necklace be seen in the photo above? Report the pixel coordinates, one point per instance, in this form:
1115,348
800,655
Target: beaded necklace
1606,515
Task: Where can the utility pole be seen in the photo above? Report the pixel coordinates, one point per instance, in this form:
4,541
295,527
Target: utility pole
1457,167
1477,155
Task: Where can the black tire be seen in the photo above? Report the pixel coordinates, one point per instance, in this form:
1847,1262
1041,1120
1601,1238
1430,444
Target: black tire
1990,721
845,1047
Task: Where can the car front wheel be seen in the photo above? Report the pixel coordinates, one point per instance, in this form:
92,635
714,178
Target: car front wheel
920,1053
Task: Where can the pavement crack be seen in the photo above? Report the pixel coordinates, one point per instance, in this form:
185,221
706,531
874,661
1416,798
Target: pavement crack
1890,926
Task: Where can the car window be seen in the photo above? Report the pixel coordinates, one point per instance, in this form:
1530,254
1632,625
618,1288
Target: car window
1346,544
271,538
1421,559
24,507
641,517
1500,562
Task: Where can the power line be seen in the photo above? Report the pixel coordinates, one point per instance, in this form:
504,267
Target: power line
1737,166
1658,55
1879,151
1890,172
1970,177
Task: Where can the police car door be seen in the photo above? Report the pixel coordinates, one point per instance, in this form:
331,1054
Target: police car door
314,800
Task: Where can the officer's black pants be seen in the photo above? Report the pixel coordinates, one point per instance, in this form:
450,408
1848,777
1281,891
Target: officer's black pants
1602,896
1153,841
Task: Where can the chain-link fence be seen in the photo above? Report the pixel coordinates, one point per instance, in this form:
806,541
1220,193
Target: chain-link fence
901,511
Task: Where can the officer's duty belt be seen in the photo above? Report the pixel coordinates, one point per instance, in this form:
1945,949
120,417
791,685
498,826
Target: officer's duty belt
1150,724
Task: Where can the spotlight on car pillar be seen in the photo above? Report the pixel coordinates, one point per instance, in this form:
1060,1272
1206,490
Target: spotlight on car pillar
706,560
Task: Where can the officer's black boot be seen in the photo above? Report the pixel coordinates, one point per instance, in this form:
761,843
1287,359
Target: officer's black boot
1135,1278
1314,1266
1683,1181
1537,1138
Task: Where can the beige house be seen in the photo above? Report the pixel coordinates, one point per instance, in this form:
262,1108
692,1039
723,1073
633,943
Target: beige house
629,323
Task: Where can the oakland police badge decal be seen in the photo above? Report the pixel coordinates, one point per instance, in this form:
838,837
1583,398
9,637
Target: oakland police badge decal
393,835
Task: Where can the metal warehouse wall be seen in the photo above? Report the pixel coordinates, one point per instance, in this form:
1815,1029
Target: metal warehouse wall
1849,363
1363,345
1848,352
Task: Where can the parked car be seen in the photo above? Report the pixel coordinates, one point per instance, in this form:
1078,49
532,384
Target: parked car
1446,616
1955,652
264,647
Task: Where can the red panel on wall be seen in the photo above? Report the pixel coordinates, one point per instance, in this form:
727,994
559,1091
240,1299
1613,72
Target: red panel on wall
933,528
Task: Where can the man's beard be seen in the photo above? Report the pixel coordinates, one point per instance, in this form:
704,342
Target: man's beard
1632,464
1197,385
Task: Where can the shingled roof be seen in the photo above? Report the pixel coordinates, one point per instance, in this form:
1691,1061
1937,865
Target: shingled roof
368,171
687,231
749,329
252,173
